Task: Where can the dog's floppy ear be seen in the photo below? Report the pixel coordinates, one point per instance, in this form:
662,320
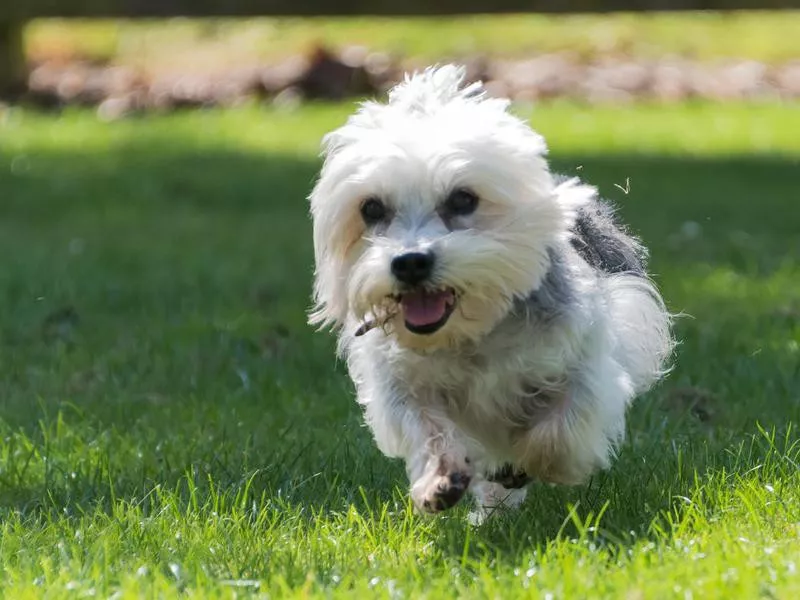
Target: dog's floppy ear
333,232
330,295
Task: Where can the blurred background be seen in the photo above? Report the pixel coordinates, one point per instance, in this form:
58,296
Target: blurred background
125,66
157,259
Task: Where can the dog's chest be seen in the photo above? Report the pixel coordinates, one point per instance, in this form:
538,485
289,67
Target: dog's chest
491,387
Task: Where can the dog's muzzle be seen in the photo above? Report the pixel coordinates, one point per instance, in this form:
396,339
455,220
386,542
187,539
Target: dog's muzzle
425,310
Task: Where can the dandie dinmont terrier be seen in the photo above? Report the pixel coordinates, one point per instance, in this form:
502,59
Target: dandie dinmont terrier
496,319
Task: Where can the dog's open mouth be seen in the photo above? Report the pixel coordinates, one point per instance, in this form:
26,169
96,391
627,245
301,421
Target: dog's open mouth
426,311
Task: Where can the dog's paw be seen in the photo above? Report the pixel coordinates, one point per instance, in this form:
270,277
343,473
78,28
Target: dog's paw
492,499
440,492
509,477
442,485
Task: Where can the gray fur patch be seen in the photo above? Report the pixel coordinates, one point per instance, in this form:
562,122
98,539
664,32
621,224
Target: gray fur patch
552,298
604,243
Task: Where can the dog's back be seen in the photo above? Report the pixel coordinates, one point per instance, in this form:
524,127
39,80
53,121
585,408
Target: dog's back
602,241
645,342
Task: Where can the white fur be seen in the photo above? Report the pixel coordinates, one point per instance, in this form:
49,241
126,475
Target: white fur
495,385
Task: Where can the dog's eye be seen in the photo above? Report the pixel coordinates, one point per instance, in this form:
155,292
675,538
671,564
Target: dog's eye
461,202
373,211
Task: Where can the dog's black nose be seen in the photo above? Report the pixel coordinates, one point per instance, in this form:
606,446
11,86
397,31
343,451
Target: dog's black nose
412,267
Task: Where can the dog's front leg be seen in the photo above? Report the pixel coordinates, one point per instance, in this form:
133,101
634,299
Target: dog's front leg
439,469
437,464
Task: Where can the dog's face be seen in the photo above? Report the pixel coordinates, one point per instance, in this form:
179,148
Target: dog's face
432,214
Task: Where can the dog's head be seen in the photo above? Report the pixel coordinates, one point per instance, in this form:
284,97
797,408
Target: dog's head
432,213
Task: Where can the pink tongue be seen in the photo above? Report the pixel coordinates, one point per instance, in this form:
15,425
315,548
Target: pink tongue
425,308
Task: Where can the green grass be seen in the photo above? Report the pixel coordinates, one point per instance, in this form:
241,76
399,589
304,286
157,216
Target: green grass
169,423
187,43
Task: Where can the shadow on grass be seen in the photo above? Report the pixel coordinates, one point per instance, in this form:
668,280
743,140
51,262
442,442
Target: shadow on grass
190,270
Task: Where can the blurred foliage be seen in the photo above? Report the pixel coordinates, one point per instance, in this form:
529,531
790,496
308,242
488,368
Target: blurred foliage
185,43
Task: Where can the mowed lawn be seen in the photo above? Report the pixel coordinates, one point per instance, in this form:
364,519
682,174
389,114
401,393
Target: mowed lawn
170,424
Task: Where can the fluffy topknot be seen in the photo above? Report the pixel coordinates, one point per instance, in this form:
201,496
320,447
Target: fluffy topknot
434,88
434,91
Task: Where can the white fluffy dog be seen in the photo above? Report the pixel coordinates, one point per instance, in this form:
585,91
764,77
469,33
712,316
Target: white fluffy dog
496,320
